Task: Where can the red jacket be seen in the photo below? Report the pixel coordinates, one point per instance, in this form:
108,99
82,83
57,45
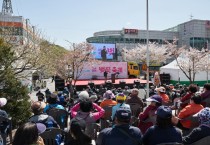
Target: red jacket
143,126
188,111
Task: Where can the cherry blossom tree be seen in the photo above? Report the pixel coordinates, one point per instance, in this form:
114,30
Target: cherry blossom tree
157,53
190,60
78,56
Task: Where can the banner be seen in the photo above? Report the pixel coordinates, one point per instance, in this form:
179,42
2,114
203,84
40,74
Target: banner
97,71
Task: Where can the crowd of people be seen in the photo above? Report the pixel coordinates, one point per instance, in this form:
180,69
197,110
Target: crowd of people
172,114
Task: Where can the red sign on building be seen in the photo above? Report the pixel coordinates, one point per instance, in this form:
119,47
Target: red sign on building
131,31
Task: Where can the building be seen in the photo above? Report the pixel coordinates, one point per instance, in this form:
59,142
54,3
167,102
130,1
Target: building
194,33
17,30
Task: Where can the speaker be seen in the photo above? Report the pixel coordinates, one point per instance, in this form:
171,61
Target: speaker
122,84
165,79
59,83
137,83
91,84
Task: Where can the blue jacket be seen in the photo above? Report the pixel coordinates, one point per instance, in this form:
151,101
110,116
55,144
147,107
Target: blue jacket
196,134
156,135
113,136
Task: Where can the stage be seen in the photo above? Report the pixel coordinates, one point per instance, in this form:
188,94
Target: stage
102,82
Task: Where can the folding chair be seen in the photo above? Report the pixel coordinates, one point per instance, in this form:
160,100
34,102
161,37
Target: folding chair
49,136
206,102
60,116
105,121
170,143
92,129
203,141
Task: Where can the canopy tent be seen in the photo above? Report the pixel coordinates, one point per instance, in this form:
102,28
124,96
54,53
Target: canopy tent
176,75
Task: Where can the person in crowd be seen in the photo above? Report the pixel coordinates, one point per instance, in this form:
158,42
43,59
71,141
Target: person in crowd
62,99
185,100
126,91
52,103
134,98
161,91
83,111
94,98
164,130
120,98
47,93
66,91
122,133
28,134
149,112
206,91
202,130
4,126
170,90
40,96
77,135
83,95
108,99
40,117
151,91
191,109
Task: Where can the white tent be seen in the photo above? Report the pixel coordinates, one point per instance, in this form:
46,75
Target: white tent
175,72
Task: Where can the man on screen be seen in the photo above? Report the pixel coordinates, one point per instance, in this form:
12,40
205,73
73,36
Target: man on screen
103,53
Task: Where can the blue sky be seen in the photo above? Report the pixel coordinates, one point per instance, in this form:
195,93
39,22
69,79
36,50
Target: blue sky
75,20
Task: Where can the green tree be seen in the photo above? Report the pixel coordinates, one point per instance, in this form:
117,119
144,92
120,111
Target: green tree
18,105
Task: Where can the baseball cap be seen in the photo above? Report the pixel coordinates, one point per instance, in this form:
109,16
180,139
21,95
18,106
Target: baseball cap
154,98
123,113
41,127
164,112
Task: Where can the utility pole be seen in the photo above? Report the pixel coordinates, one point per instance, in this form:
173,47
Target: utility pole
147,36
7,7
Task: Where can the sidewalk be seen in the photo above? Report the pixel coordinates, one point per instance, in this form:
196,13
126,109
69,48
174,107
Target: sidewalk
50,86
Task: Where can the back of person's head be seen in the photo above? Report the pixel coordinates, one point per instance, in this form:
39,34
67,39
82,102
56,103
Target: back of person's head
38,107
207,86
52,99
27,134
193,88
135,92
83,95
77,131
86,106
196,99
123,115
108,95
120,98
164,115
